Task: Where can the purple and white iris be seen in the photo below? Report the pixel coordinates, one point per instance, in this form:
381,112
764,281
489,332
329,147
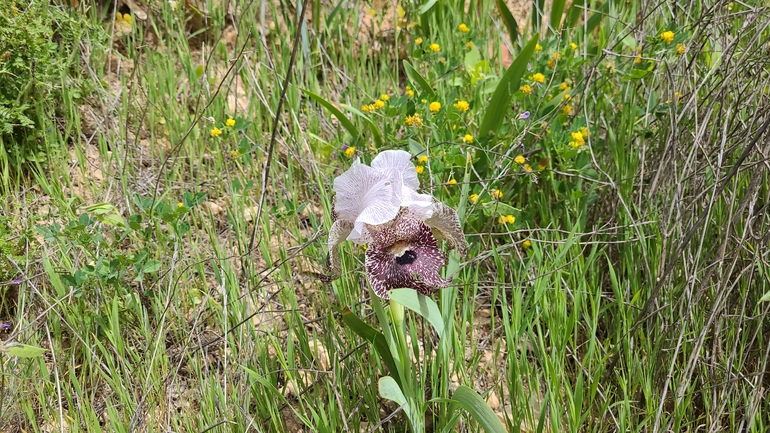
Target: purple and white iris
380,206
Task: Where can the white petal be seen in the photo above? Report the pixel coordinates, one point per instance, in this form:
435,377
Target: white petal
400,160
367,195
420,205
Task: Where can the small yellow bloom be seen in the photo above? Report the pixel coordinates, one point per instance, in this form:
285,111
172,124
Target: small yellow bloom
578,137
496,194
526,89
576,144
584,132
573,45
234,153
424,101
680,49
419,169
564,86
526,244
379,104
555,55
409,92
473,198
413,120
567,97
468,138
451,182
538,78
543,164
434,47
667,36
454,127
638,58
527,168
418,41
365,108
520,159
123,23
423,159
384,97
350,151
435,107
567,109
230,123
463,28
180,204
462,105
510,219
469,45
215,132
551,64
538,47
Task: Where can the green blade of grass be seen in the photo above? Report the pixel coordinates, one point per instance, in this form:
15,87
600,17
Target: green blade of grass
415,77
376,133
509,21
557,9
346,123
574,13
469,400
373,336
497,107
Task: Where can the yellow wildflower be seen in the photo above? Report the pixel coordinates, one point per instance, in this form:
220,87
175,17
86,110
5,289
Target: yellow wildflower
638,58
435,107
567,109
434,47
366,108
468,138
379,104
230,123
538,47
538,78
667,36
578,138
526,244
496,194
424,101
473,198
418,41
180,204
573,45
510,219
451,182
423,159
409,92
584,132
419,169
469,45
680,49
454,127
564,86
215,132
527,168
526,89
123,23
463,28
350,151
520,159
234,153
384,97
413,120
462,105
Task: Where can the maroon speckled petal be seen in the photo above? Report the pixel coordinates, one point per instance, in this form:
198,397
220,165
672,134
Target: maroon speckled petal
405,255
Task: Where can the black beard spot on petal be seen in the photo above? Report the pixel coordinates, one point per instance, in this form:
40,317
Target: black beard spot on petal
407,258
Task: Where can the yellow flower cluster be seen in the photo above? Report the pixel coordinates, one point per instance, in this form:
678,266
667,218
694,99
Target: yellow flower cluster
573,45
473,198
680,49
463,28
526,244
468,139
527,168
520,159
451,182
462,105
413,120
667,36
564,86
215,132
526,89
435,107
554,58
409,92
510,219
350,151
538,78
418,41
230,123
578,140
567,110
538,47
496,194
435,47
123,23
421,161
374,106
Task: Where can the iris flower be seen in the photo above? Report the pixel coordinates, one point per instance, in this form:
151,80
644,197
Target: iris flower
379,205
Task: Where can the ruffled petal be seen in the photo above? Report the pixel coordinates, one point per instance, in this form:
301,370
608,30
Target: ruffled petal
401,161
405,255
337,234
447,223
365,195
420,205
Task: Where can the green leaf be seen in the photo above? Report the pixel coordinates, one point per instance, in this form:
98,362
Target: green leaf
557,10
472,58
375,130
479,410
597,17
574,13
426,7
538,7
498,106
491,208
422,305
373,336
765,297
509,21
389,389
151,266
346,123
22,350
101,209
416,78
